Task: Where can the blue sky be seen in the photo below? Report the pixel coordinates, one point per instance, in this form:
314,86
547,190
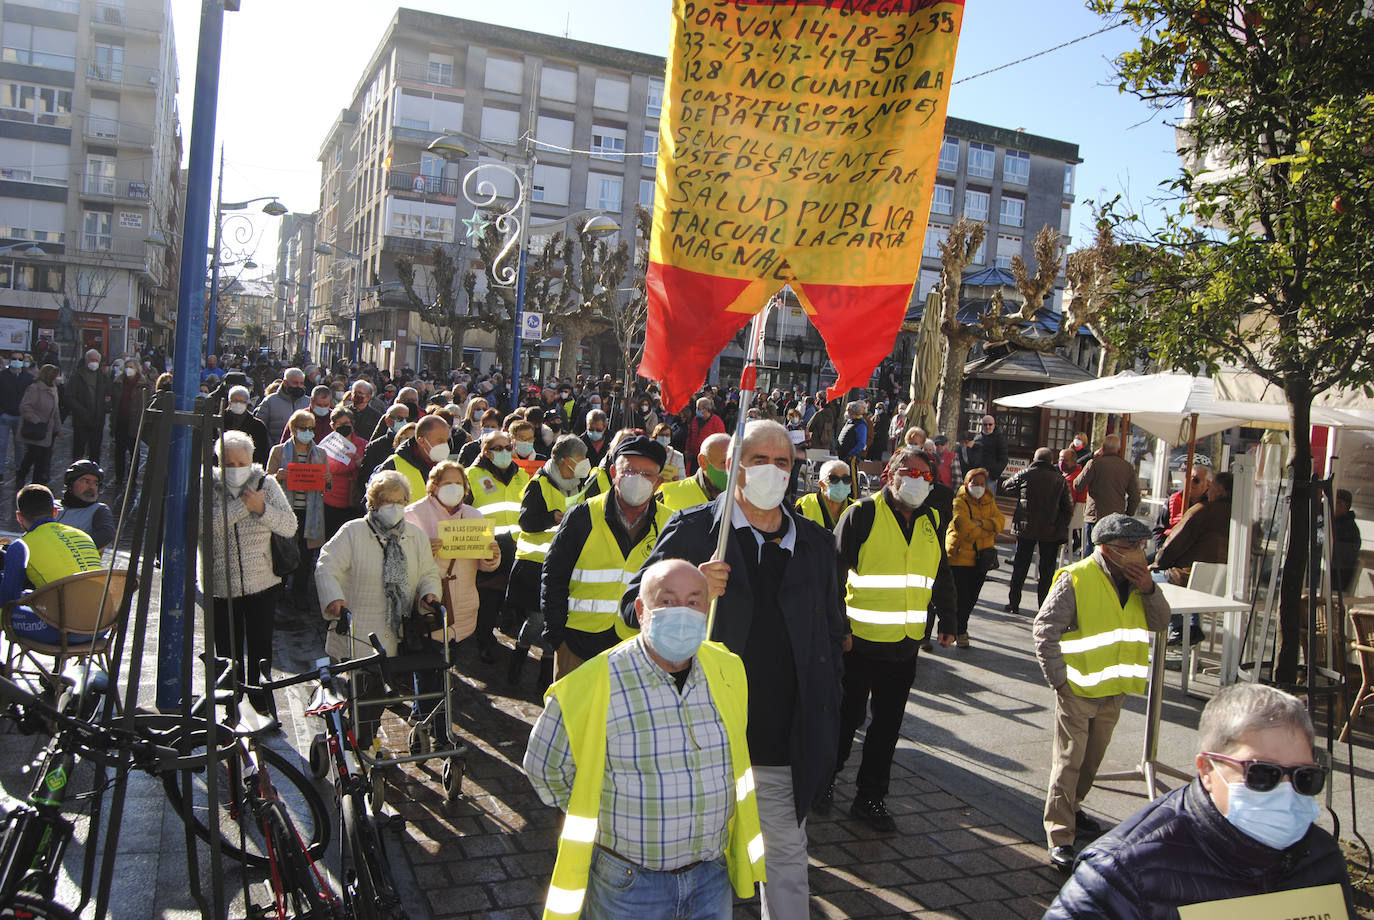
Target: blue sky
289,66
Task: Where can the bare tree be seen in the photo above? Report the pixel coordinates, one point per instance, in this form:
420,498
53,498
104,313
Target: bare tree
631,314
573,281
956,252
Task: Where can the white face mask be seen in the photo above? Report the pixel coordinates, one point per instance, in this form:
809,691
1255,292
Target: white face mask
439,452
582,468
389,515
634,489
977,491
236,476
92,365
451,494
130,371
912,491
1077,443
238,408
764,486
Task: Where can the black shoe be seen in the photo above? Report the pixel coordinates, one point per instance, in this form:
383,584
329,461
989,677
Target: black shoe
1175,637
1013,608
1196,636
873,813
826,801
517,664
1088,825
1062,858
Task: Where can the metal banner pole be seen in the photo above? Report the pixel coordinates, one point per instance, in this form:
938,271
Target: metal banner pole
748,380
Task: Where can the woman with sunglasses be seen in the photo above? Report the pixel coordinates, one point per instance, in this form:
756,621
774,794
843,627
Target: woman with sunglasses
832,498
1243,827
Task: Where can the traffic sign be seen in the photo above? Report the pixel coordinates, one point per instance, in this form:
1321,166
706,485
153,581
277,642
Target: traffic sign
531,326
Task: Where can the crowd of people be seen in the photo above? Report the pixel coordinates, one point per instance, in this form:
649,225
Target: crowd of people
700,704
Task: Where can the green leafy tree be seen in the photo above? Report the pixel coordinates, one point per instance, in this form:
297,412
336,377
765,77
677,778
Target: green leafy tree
1265,261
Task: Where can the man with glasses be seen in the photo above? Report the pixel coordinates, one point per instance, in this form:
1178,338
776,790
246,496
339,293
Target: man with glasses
897,581
989,451
1194,490
832,498
1242,828
1092,638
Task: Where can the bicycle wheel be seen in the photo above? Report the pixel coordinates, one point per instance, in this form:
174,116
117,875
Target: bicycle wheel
369,891
302,804
302,889
26,906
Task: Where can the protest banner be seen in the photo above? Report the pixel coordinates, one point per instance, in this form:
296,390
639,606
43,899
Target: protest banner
304,477
466,538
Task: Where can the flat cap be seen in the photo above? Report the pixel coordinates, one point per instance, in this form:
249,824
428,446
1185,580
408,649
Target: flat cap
1119,527
640,446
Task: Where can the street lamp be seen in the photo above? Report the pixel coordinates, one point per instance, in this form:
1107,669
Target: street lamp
328,249
512,223
273,208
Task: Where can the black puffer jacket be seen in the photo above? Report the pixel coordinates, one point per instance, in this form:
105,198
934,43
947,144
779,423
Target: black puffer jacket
1044,508
1180,850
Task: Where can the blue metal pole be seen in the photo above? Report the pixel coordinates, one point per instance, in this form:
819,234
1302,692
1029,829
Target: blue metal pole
514,382
187,360
212,309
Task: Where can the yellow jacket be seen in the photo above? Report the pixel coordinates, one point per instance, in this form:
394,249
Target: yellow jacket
975,526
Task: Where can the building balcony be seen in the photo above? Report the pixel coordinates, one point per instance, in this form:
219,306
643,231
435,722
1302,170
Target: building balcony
119,251
94,185
114,17
425,74
411,246
124,76
421,184
120,133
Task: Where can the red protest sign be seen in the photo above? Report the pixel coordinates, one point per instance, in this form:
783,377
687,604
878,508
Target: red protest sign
304,477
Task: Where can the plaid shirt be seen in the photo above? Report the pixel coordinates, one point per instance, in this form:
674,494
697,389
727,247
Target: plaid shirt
668,793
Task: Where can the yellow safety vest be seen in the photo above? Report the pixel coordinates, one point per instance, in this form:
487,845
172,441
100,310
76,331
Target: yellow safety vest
497,502
601,573
534,547
811,508
1109,651
584,698
888,596
412,475
58,550
683,494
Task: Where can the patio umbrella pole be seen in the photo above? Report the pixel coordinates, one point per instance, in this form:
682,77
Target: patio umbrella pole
1192,454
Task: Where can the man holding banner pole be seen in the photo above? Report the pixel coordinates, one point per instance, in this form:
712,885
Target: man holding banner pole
777,606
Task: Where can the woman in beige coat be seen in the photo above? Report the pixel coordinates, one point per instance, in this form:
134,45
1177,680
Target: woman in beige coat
39,424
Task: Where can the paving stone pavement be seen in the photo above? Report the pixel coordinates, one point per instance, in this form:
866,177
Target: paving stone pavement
967,789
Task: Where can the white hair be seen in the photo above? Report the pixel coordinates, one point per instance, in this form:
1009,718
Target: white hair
1238,711
233,440
765,430
239,391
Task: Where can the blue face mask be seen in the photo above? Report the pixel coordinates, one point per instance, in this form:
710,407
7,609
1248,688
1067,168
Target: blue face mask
501,458
1278,818
305,436
676,633
595,435
703,415
837,491
666,442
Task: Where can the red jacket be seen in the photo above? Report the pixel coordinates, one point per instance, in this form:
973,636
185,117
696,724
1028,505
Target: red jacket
1080,496
698,431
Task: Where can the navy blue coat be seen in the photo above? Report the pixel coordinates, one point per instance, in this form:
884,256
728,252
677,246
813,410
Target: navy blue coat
1180,850
816,625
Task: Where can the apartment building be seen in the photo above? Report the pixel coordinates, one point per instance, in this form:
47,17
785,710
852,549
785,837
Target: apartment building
584,117
90,151
289,328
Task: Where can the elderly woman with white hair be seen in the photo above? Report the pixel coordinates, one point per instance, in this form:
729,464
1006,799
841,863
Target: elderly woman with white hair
237,417
378,567
1242,828
833,496
247,508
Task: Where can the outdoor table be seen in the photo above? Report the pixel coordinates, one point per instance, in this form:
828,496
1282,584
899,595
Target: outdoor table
1186,601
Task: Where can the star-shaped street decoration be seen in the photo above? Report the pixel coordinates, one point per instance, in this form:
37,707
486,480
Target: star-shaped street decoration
476,225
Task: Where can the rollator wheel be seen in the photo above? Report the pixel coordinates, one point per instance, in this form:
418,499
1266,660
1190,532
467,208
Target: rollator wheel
319,756
420,741
378,777
452,777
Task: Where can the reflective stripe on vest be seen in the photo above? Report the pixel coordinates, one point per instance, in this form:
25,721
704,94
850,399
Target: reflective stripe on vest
601,573
887,598
58,550
498,502
584,699
683,494
1109,651
412,475
534,547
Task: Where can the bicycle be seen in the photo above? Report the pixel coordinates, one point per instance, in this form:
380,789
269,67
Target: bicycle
369,891
34,835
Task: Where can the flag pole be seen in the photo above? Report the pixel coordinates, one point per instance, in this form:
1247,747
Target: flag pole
748,381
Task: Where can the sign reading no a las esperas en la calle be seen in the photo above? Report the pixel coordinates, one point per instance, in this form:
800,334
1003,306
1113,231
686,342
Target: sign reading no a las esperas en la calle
798,145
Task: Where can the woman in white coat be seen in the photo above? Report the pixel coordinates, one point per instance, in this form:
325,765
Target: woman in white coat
248,507
378,567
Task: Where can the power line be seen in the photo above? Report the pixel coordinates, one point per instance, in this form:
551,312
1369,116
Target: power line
1031,57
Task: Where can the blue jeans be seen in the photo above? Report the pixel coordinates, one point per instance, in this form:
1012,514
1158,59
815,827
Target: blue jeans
8,424
621,890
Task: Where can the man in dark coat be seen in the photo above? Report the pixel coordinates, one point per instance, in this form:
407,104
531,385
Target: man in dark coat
781,612
1233,832
989,451
1040,523
88,400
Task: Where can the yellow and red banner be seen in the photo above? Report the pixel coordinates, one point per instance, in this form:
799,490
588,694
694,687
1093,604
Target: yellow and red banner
797,146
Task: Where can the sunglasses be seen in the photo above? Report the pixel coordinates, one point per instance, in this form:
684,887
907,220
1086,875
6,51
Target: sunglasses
927,475
833,478
1263,776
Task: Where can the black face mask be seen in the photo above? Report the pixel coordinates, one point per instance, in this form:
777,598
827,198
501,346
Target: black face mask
295,392
346,431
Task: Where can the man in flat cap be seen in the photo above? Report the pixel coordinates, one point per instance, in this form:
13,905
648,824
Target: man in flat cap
1092,638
